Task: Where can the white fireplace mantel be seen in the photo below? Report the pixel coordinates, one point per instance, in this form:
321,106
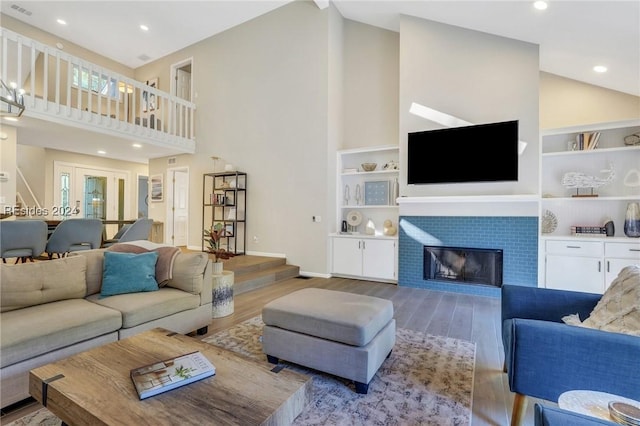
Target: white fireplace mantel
471,205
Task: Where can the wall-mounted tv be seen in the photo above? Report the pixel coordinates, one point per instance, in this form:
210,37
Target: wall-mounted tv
480,153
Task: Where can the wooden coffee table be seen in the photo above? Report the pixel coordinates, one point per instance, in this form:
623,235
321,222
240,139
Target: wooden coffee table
94,387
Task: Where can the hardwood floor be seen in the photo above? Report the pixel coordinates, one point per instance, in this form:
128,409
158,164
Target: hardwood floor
472,318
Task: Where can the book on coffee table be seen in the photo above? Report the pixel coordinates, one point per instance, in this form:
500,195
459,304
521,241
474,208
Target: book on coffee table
162,376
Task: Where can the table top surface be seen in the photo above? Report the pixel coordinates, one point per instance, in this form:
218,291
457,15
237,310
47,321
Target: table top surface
96,388
591,403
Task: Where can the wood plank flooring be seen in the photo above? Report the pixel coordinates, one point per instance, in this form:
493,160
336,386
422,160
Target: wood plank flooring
473,318
461,316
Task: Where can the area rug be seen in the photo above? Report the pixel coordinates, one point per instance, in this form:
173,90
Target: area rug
427,380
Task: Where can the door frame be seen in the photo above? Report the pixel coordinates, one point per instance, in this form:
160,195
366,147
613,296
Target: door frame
173,72
60,166
170,188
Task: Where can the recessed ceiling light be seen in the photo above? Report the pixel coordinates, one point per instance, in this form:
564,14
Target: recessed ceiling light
61,21
136,145
600,68
540,5
143,27
102,152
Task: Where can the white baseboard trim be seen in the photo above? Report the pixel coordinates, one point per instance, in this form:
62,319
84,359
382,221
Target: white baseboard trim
259,253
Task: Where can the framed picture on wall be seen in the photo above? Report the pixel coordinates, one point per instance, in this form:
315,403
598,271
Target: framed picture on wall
157,189
149,102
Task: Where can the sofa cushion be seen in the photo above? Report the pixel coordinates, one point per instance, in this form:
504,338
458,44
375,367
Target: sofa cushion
166,256
619,308
138,308
188,272
128,273
30,284
36,330
94,268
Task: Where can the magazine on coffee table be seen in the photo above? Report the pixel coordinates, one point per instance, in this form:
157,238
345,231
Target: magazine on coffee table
162,376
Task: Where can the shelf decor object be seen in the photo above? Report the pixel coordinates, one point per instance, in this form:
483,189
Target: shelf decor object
632,221
354,219
580,180
376,193
549,222
369,167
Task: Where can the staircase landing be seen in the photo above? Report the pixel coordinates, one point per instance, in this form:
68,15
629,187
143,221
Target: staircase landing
253,272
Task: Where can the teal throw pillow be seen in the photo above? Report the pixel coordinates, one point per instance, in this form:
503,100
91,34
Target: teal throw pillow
128,273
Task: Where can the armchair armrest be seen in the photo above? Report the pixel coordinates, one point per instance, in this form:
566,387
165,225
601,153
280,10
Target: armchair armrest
550,358
545,304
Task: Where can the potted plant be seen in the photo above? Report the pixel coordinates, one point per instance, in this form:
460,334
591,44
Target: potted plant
212,236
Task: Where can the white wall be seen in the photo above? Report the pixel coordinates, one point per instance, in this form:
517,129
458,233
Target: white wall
371,84
478,77
565,102
262,98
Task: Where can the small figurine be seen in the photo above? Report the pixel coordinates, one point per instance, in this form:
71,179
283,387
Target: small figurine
388,228
391,165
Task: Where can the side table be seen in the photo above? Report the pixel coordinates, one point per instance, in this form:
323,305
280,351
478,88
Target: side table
222,288
591,403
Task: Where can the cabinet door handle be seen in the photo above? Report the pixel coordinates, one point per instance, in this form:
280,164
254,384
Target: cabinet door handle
359,245
574,247
364,245
634,249
608,266
599,266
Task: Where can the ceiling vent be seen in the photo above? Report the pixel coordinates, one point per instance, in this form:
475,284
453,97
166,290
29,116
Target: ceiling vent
144,57
21,9
171,160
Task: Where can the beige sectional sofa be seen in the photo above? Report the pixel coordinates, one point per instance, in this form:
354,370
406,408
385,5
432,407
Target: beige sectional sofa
53,309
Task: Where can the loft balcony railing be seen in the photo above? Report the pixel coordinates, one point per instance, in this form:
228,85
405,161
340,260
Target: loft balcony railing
59,87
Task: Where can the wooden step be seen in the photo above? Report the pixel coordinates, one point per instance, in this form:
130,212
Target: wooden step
252,272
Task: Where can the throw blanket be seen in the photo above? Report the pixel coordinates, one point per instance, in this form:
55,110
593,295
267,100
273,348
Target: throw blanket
166,256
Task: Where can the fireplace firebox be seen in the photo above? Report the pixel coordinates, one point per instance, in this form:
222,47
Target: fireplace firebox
463,265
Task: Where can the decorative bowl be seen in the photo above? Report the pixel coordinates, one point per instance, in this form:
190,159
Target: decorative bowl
369,167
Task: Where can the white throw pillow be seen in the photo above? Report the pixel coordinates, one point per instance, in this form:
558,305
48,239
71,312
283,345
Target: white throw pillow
619,308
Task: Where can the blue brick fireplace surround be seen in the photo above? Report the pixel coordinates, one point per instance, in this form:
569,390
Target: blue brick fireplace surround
517,236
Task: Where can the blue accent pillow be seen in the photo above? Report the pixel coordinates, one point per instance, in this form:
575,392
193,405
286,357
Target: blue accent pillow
128,273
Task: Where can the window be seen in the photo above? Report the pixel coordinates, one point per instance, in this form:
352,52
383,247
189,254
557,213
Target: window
97,83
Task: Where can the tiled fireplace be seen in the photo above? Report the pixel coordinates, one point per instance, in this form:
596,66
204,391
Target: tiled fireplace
510,242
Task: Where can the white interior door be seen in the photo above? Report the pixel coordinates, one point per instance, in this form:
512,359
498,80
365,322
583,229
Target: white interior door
178,194
183,84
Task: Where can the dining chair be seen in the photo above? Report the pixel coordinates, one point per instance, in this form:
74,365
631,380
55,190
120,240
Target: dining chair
138,230
22,239
74,235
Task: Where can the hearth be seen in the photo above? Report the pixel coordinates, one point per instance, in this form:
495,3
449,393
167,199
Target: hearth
463,265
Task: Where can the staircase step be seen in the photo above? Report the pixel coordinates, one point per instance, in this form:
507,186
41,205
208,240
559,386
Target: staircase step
242,265
248,281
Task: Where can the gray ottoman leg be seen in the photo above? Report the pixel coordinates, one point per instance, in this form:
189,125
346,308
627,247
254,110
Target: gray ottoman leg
272,359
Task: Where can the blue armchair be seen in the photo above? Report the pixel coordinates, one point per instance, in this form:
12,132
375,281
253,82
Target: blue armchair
553,416
545,357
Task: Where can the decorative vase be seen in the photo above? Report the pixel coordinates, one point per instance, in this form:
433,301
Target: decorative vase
222,294
216,268
370,228
632,221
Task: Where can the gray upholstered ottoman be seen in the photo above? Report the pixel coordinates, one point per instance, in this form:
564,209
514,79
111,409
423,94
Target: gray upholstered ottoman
348,335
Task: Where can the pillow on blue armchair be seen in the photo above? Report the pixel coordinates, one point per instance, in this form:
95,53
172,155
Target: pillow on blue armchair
128,273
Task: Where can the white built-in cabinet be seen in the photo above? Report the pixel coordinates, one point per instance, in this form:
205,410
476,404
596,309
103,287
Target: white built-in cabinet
362,257
372,195
577,262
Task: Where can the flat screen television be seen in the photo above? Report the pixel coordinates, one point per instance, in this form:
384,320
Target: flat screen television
479,153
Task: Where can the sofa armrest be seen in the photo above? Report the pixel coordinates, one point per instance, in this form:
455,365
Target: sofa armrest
553,416
190,273
548,358
545,304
